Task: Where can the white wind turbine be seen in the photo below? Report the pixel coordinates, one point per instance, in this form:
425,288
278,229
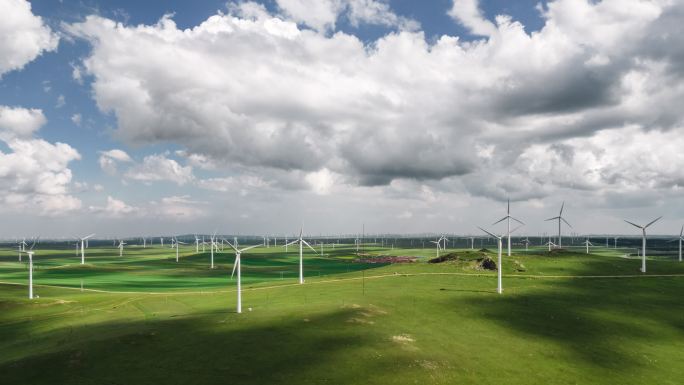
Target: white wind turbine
643,241
83,245
197,243
499,287
444,240
526,241
30,255
587,243
144,242
121,247
438,243
560,218
549,244
236,267
301,243
213,246
680,238
508,218
472,242
175,243
161,240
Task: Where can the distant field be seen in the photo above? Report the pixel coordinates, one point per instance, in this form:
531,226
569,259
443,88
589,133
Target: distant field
564,318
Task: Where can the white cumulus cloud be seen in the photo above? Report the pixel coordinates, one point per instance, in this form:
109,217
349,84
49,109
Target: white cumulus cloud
34,174
23,35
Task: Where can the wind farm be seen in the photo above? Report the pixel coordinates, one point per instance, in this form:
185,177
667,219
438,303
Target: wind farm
148,292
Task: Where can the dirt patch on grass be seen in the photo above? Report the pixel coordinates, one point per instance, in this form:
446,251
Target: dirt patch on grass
387,259
403,338
364,315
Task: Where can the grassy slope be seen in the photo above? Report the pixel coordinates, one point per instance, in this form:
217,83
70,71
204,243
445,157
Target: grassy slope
399,329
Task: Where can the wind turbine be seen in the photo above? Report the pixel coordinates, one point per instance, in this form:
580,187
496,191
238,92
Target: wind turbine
643,241
508,218
121,246
83,243
616,238
587,243
236,266
196,243
472,242
560,218
549,244
30,255
144,242
681,237
175,243
438,243
301,243
213,245
526,241
445,240
499,288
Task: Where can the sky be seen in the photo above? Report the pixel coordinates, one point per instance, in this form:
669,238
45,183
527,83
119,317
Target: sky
131,118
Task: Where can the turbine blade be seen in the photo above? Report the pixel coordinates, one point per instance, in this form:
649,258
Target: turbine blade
250,247
237,257
633,224
500,220
551,219
518,220
88,236
230,244
561,212
513,231
495,236
566,222
307,243
653,221
34,242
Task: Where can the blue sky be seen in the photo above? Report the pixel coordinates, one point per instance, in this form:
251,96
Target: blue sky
432,145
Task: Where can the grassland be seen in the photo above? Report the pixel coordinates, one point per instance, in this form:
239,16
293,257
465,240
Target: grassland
564,318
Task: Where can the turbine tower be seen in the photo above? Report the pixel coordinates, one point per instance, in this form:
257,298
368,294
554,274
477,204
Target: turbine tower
508,218
681,237
499,287
560,219
643,241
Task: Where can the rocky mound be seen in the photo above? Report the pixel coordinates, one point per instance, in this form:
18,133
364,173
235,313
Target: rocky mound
486,263
444,258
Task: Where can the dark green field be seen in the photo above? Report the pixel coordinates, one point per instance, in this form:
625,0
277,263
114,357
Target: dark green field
564,318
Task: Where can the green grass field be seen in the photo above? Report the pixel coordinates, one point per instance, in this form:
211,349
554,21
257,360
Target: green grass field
564,318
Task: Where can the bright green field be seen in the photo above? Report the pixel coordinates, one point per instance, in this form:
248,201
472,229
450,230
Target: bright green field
155,321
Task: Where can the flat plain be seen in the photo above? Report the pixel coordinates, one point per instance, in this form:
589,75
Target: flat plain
564,317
